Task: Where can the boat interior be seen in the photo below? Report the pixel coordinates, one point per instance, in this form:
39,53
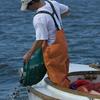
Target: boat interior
93,76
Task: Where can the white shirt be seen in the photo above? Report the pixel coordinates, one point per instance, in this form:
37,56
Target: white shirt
43,23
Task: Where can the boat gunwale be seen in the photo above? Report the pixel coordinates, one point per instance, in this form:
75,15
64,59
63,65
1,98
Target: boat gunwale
75,92
84,72
39,94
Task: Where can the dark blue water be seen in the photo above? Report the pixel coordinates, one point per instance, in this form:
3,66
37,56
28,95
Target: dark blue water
82,29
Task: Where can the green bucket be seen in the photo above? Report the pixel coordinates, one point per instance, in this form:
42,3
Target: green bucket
34,70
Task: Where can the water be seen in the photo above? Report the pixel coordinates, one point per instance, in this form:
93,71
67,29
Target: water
17,34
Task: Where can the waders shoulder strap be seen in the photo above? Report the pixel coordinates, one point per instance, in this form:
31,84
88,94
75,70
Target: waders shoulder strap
54,11
52,15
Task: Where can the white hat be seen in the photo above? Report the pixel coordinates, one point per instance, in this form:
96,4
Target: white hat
24,4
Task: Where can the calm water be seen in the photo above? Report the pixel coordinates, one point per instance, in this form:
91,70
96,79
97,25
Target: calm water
17,34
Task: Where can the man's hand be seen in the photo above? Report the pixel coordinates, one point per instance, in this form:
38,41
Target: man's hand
37,44
65,14
27,56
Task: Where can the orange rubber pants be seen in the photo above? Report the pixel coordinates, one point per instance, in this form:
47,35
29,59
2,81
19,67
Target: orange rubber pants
56,60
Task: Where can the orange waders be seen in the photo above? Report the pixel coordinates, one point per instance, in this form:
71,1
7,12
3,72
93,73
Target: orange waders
56,60
56,55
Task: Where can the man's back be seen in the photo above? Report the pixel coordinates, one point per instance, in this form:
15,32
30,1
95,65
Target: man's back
44,24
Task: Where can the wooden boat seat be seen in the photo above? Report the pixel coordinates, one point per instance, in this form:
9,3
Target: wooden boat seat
96,66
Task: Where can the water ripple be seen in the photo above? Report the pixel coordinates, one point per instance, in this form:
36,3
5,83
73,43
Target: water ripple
82,30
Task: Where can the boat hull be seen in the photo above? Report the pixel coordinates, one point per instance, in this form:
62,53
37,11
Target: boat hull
47,91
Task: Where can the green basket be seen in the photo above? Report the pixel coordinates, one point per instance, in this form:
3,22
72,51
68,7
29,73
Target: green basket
34,70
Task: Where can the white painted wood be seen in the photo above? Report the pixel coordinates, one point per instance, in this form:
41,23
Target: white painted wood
53,92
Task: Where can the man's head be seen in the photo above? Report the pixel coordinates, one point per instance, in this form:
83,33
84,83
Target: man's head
29,4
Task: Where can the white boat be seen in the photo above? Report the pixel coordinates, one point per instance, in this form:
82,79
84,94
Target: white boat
46,90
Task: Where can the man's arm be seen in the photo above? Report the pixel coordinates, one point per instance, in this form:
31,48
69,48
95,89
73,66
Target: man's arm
37,44
64,10
67,13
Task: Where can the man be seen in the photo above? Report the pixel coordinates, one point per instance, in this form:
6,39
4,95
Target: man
50,36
